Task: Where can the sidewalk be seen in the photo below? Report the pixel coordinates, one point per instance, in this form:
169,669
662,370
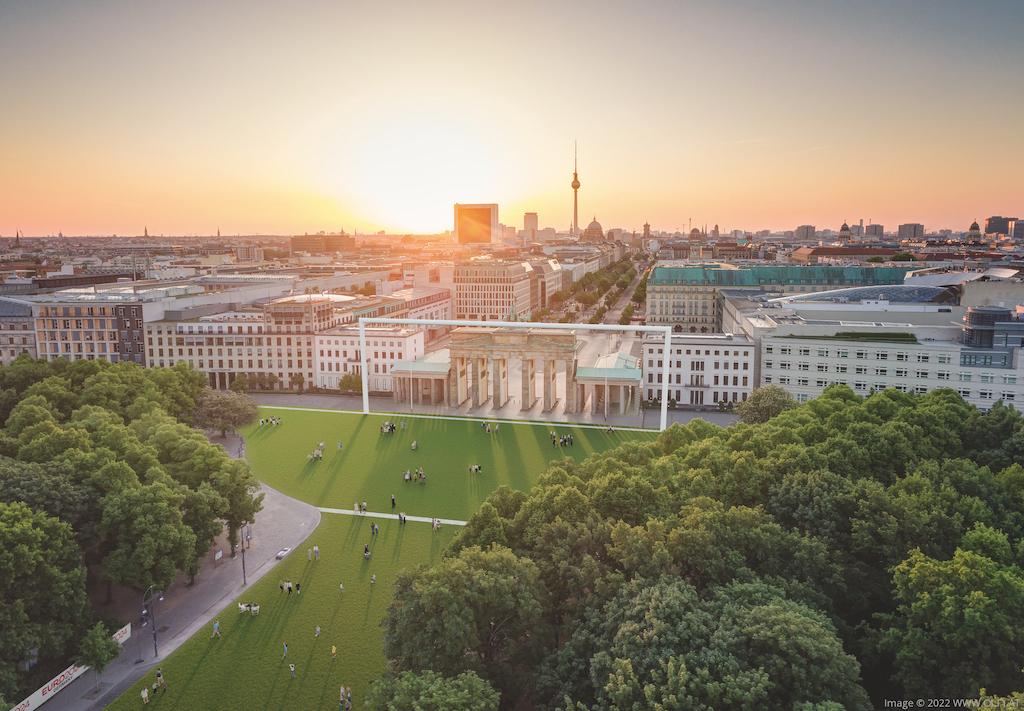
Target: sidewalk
386,405
284,521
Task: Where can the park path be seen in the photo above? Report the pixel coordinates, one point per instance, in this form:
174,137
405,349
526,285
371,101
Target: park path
283,522
390,516
336,402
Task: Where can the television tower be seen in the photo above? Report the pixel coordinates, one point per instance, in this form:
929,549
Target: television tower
575,188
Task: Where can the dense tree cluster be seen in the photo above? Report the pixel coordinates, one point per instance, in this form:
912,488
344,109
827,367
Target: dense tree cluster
841,552
101,474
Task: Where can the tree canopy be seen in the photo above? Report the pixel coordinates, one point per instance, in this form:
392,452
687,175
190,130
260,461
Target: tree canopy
825,555
110,451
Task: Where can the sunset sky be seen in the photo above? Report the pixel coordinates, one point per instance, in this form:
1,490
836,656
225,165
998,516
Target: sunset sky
283,118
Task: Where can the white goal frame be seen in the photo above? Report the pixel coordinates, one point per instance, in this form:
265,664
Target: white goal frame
666,331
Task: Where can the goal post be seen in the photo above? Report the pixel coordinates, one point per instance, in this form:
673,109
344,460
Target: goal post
627,332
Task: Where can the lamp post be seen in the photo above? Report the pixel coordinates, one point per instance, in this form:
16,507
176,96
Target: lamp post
149,600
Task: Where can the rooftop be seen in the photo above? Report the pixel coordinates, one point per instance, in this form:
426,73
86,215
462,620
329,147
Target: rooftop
612,366
893,293
686,274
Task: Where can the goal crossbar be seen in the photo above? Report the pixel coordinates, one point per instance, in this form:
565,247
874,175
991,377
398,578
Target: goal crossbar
364,361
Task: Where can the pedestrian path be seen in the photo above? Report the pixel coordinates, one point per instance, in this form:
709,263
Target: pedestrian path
391,516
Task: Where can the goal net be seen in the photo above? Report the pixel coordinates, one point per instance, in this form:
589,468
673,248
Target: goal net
586,374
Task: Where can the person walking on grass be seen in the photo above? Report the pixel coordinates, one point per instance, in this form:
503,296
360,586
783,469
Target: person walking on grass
298,588
316,632
316,552
160,681
285,654
334,652
291,669
145,695
393,502
341,587
216,629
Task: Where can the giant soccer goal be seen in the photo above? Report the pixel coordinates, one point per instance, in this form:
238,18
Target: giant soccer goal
589,374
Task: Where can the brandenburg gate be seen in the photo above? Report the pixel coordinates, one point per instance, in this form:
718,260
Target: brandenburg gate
478,369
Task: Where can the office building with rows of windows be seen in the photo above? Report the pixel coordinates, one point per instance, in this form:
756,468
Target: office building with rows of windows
912,338
703,371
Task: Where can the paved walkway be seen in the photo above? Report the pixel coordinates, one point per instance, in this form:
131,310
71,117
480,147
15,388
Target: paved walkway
284,521
391,516
386,406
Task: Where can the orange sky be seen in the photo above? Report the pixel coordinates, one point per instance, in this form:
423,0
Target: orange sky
273,118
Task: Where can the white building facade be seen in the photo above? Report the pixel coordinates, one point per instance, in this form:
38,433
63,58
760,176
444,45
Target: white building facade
337,354
703,371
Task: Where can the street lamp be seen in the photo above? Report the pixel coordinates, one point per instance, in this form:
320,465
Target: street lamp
149,600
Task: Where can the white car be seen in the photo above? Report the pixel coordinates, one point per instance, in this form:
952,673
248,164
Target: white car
282,553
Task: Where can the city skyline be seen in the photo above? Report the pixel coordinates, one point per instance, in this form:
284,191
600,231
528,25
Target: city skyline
252,119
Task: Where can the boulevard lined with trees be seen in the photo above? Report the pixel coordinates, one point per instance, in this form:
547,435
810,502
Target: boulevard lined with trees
103,477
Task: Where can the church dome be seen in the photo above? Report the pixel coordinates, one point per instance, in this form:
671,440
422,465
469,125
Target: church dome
844,228
593,233
975,227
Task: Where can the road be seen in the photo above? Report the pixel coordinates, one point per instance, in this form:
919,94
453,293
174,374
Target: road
284,521
615,312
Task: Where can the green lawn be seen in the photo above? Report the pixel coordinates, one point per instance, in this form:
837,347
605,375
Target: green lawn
244,670
369,467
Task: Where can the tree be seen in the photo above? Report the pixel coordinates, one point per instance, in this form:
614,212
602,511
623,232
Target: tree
203,512
97,649
350,382
661,645
296,381
42,589
225,410
959,623
408,691
765,403
240,384
480,611
147,538
902,257
240,489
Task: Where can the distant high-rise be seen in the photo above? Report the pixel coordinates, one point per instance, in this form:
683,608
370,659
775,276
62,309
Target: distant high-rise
874,230
1015,229
804,232
647,230
530,221
575,203
998,225
477,223
911,230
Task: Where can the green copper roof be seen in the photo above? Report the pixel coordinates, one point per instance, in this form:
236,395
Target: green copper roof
612,366
771,275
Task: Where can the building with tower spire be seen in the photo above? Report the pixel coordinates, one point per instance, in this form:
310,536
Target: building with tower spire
575,189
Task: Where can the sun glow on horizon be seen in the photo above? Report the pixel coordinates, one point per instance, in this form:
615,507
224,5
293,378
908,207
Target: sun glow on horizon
405,172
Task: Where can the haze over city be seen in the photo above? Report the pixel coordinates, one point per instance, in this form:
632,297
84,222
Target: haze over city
272,118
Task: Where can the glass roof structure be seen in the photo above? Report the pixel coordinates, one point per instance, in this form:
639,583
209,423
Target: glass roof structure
893,293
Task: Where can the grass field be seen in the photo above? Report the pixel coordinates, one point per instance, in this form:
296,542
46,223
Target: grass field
244,669
369,467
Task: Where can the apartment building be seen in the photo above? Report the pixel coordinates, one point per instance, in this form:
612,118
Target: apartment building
495,291
702,371
272,344
17,330
337,354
